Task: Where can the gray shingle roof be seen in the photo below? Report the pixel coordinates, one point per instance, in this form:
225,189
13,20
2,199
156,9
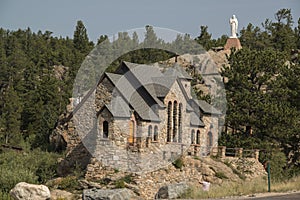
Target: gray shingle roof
206,107
144,74
119,108
133,97
113,77
195,120
162,85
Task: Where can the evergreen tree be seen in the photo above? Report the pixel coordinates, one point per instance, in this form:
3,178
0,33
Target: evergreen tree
297,34
81,40
101,39
204,38
10,116
283,36
248,76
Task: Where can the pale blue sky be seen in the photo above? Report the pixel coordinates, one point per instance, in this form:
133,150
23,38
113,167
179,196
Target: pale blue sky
109,17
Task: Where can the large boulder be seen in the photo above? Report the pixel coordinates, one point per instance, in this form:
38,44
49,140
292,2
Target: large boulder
100,194
173,191
26,191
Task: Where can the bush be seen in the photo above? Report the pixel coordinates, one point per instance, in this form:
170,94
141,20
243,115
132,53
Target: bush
69,183
178,163
277,160
32,167
5,196
120,183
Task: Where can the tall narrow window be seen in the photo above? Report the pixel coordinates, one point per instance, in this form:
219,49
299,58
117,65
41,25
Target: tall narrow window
180,123
169,125
150,131
105,129
131,132
210,139
198,137
155,138
193,137
175,121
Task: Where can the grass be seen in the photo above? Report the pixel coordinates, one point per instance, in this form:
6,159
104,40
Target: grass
292,184
221,175
242,188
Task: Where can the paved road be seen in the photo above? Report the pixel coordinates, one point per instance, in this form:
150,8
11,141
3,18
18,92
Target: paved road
291,196
295,196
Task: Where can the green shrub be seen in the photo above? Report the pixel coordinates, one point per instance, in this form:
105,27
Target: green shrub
5,196
120,183
31,167
127,178
69,183
178,163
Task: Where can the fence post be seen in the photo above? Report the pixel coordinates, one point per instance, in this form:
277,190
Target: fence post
214,151
222,151
269,177
239,152
256,154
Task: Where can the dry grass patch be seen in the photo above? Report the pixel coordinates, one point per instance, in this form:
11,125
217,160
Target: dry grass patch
284,186
227,189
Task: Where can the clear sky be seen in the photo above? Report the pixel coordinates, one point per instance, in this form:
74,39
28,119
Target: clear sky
111,16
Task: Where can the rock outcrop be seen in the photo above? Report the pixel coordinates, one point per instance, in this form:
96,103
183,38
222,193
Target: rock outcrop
26,191
173,191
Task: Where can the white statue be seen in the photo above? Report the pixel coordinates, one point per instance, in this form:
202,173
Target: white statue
234,26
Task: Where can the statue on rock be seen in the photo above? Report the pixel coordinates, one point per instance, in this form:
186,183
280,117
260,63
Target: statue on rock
233,41
234,26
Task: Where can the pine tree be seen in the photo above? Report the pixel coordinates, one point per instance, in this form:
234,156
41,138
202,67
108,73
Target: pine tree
248,76
101,39
204,38
10,116
81,40
297,34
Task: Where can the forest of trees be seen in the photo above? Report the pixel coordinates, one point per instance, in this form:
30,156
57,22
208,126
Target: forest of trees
263,94
263,88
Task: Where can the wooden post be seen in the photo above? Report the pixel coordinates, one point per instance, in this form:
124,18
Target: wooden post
222,151
256,154
214,151
239,152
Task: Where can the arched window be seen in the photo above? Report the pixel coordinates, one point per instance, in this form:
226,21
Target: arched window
198,137
180,123
175,121
193,137
150,131
210,139
169,125
105,129
155,138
